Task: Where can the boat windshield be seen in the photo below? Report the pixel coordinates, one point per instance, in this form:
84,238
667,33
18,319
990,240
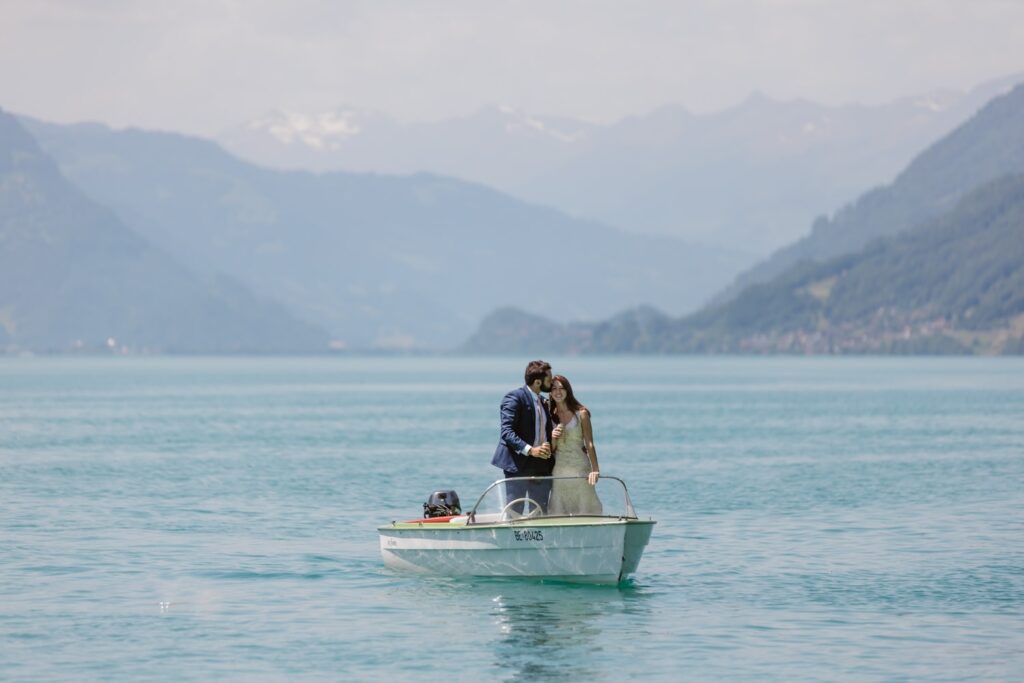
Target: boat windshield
545,497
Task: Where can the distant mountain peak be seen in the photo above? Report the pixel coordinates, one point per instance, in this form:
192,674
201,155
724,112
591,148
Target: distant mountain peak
756,99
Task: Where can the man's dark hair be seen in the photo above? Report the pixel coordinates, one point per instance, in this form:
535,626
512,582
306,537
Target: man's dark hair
536,369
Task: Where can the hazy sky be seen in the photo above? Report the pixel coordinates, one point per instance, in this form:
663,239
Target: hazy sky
200,66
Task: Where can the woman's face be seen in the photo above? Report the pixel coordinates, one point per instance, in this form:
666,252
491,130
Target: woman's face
557,392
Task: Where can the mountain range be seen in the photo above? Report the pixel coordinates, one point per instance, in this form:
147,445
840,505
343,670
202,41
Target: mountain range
751,177
381,262
933,262
143,241
73,277
986,147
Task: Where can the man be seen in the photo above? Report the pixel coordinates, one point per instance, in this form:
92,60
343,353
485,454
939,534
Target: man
525,446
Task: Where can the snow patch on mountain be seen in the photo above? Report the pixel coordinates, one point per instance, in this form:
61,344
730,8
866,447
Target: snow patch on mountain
519,121
937,102
324,131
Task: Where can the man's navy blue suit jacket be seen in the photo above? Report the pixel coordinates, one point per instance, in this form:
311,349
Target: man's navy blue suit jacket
518,427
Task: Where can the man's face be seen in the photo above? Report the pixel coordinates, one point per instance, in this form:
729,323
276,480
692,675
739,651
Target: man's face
546,384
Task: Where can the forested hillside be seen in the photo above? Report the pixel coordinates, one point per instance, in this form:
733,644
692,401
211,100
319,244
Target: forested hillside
986,147
953,285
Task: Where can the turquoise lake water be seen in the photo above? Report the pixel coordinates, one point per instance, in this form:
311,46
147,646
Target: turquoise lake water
167,519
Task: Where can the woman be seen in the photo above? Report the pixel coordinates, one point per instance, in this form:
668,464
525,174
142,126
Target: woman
575,456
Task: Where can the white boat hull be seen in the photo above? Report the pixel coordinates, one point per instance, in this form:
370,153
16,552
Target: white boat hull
579,549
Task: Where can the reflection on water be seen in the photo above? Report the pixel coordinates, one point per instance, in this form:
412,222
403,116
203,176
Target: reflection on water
551,631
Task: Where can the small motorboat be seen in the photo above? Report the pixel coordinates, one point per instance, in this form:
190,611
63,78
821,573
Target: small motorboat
520,537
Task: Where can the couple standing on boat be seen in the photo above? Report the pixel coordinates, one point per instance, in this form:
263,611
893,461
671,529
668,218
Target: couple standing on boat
542,437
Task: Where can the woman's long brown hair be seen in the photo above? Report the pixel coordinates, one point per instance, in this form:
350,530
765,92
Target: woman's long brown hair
570,399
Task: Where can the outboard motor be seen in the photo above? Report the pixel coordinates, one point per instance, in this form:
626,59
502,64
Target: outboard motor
442,504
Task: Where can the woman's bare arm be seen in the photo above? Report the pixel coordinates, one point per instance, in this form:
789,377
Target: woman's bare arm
588,441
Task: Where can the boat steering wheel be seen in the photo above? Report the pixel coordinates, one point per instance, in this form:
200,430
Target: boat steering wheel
530,502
